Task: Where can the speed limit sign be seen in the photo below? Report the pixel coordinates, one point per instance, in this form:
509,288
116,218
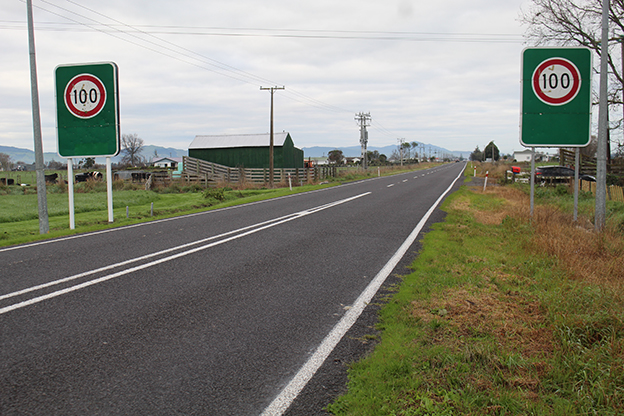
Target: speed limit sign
87,110
556,97
556,81
85,96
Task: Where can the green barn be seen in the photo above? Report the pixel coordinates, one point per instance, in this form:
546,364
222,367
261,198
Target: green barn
247,150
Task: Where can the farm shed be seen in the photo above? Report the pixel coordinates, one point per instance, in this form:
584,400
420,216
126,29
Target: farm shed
247,150
166,162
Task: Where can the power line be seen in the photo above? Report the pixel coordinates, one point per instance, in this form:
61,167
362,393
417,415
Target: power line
302,33
221,68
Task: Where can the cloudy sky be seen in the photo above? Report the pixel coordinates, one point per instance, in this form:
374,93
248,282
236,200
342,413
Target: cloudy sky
440,72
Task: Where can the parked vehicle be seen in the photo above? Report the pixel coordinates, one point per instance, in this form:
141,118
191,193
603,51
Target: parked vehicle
558,174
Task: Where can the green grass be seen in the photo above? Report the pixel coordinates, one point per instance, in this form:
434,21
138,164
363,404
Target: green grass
485,324
19,218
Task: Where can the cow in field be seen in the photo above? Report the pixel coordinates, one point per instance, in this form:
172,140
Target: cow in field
86,176
52,178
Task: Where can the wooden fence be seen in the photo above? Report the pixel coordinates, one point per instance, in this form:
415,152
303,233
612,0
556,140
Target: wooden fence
212,173
614,193
588,164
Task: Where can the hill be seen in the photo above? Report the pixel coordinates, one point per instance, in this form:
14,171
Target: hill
355,151
28,156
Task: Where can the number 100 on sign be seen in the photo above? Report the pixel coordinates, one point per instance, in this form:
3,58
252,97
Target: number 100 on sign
85,96
556,81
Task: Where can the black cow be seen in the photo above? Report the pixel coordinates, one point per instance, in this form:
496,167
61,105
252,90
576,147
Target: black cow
7,181
85,176
51,178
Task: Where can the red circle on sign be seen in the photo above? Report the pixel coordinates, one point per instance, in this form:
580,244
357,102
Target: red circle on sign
576,81
90,103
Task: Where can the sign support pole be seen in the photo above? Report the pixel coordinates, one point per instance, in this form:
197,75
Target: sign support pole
532,179
577,164
70,192
109,188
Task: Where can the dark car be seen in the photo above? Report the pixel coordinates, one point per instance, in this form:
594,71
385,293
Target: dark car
558,174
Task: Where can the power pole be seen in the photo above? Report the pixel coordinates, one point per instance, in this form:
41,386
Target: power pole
363,120
272,89
42,198
401,141
603,125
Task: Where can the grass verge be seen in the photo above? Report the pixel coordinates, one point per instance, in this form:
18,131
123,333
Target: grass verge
503,314
19,217
19,221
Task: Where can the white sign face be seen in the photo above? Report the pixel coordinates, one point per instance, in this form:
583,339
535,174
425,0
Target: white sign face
556,81
85,96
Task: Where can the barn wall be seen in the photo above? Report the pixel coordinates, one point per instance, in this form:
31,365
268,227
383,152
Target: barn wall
287,156
248,157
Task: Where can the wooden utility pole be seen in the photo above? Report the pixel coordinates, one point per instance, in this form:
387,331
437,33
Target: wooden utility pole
272,89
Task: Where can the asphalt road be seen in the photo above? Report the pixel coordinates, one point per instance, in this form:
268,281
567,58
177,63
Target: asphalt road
227,312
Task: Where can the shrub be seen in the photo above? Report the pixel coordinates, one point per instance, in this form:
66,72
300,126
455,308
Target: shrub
215,193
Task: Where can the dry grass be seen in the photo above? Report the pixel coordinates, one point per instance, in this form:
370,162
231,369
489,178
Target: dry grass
585,254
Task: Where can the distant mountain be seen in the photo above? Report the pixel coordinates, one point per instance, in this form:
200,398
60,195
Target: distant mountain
355,151
28,156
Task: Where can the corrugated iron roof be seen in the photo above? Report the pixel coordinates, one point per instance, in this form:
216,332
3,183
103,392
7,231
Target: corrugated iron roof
238,140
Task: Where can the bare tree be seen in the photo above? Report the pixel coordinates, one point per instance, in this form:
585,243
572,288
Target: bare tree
579,22
132,146
5,162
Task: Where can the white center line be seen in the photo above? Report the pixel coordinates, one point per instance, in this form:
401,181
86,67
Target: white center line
249,230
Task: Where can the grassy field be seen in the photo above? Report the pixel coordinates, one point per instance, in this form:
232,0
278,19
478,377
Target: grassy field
19,218
503,314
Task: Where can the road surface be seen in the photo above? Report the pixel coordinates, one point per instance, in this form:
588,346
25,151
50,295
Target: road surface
227,312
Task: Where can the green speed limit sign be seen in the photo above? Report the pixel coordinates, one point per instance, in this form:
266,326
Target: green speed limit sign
556,97
87,110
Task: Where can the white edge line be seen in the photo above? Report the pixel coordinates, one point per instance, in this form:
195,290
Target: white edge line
281,403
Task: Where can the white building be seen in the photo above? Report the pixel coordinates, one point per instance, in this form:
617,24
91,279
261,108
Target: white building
522,155
167,162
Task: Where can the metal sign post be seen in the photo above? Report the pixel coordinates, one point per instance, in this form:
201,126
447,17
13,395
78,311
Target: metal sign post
87,111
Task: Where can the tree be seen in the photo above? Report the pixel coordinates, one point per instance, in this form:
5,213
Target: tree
579,22
5,162
406,150
476,154
56,165
415,149
336,156
132,146
87,163
491,151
